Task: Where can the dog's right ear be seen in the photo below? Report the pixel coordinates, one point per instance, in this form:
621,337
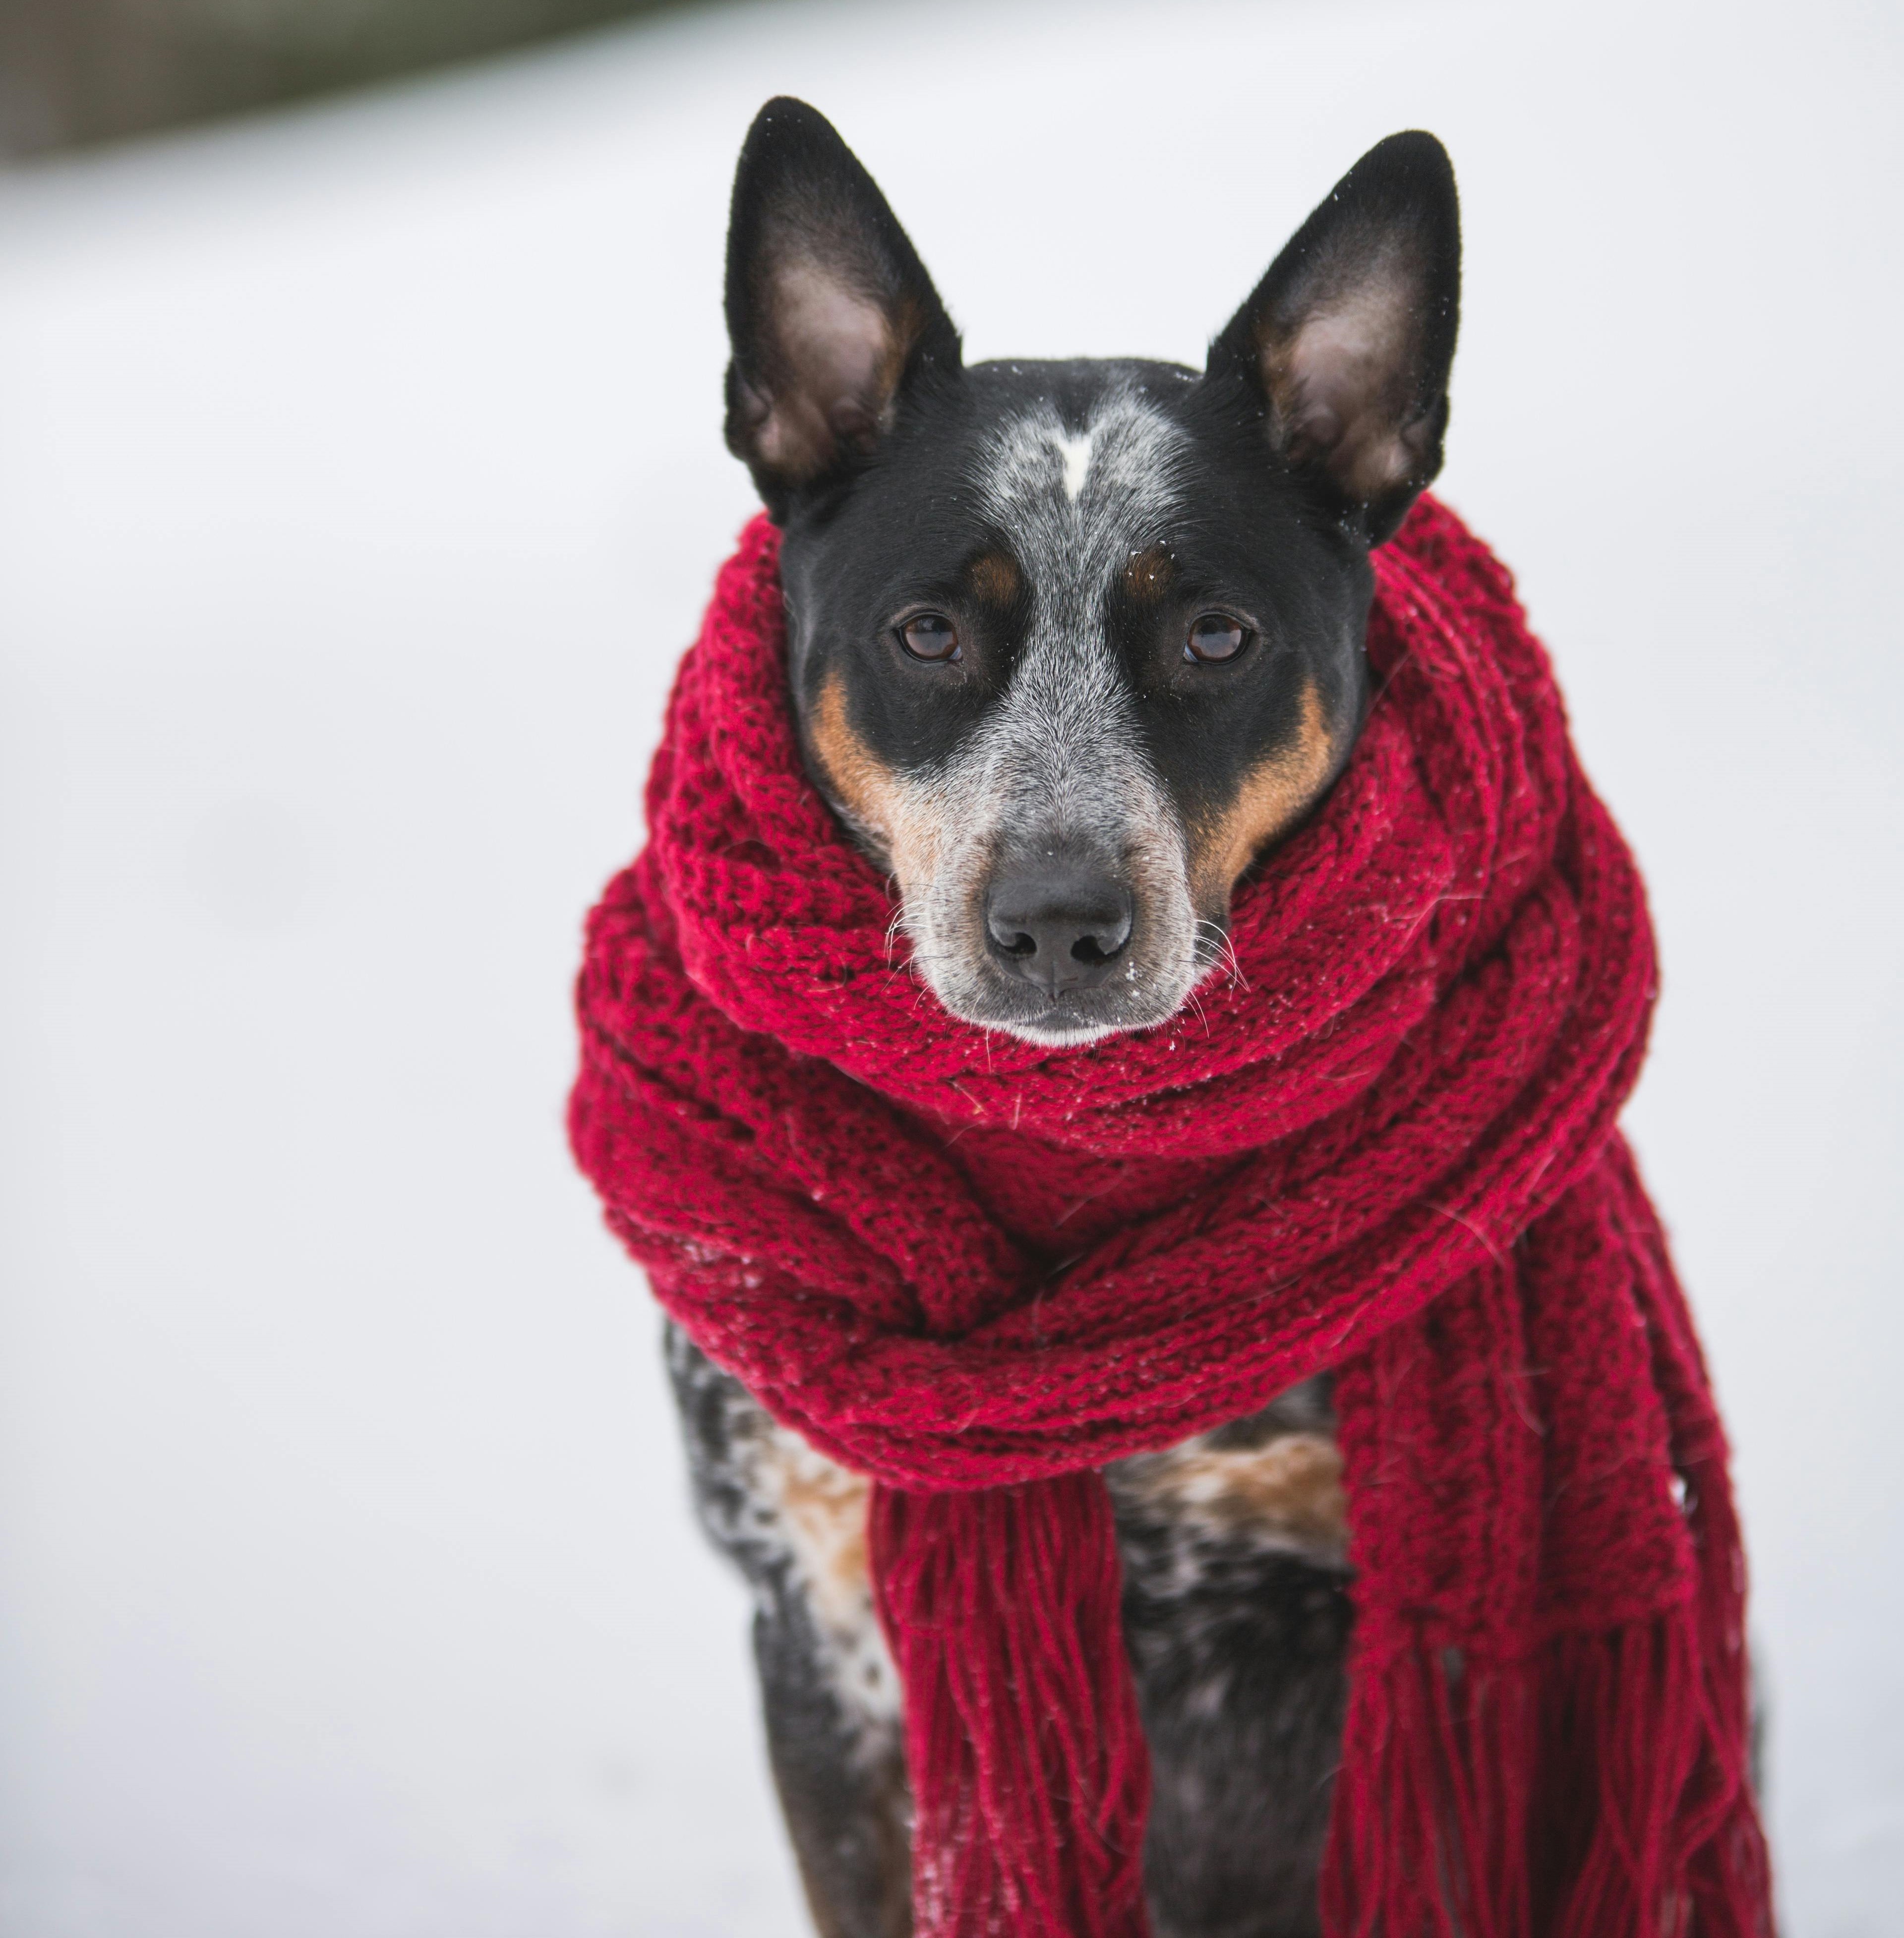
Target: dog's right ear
830,311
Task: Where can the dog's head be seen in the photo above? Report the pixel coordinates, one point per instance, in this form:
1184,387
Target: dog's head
1071,645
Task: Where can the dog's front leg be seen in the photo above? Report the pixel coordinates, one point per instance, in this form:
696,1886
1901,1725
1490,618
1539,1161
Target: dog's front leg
795,1523
842,1784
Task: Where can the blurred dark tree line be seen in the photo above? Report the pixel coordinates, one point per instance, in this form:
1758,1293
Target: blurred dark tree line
77,72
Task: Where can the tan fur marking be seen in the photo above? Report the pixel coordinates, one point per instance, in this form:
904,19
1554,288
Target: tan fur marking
1291,1485
1274,795
861,782
1147,575
825,1506
995,578
901,822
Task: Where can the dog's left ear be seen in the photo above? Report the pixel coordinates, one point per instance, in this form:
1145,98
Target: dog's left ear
830,312
1347,341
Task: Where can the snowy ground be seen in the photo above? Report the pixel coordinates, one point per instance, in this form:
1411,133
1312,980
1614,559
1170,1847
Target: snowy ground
359,479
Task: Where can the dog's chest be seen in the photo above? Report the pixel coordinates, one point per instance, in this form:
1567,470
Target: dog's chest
1206,1531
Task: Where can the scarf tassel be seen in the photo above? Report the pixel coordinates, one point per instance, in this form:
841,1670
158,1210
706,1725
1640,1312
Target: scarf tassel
1644,1826
1001,1607
1031,1778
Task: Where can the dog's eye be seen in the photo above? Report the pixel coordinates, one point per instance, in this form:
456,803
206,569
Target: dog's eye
1216,636
930,635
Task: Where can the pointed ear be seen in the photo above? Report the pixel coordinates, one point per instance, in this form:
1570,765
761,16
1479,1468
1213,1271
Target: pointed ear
830,311
1348,339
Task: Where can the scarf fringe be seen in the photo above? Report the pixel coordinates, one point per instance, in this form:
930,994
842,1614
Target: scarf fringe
1594,1791
1030,1778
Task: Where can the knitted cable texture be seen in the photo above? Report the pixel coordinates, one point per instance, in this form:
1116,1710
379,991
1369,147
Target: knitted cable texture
1381,1143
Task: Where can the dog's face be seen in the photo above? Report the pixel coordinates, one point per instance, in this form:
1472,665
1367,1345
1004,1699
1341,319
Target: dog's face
1072,645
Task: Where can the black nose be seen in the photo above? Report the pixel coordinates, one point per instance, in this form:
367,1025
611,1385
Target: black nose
1061,927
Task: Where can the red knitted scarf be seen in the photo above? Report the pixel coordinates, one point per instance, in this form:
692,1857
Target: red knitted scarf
978,1270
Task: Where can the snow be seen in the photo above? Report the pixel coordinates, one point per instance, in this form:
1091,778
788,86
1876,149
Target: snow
360,478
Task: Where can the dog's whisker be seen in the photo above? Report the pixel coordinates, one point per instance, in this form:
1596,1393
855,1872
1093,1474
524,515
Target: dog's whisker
1222,949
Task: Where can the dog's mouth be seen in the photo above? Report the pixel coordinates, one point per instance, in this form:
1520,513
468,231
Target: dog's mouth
1069,1023
1068,1017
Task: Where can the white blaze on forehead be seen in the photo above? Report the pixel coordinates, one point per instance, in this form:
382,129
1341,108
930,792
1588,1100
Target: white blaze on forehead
1075,452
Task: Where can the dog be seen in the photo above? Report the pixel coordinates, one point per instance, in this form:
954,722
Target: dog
1071,646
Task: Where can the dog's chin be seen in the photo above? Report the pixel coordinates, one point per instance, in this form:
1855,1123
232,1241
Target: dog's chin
1055,1031
993,1002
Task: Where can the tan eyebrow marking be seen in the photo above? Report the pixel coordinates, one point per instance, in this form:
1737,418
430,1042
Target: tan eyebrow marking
995,578
1147,575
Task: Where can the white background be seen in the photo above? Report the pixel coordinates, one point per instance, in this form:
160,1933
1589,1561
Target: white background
361,479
